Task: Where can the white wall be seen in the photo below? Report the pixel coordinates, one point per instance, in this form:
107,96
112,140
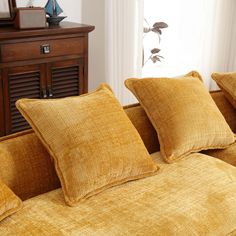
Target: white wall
93,13
72,8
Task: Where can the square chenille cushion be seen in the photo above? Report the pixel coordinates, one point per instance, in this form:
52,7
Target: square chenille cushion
9,202
183,113
227,83
92,141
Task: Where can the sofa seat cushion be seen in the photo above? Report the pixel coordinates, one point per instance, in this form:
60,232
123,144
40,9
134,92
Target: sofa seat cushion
194,196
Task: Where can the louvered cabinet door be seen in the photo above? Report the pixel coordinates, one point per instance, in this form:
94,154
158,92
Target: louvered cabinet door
20,82
2,123
66,79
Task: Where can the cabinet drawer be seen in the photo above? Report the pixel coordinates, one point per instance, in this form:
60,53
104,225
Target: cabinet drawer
41,49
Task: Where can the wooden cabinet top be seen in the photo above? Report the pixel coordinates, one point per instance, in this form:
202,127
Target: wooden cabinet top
63,28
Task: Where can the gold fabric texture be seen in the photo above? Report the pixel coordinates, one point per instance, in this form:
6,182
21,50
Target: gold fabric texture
194,196
26,167
143,125
93,143
227,82
183,113
9,202
228,154
226,108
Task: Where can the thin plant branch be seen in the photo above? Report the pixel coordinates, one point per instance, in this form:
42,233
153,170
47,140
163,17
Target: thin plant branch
157,29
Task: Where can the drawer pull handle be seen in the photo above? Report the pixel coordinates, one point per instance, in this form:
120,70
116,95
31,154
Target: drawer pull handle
44,93
50,94
45,49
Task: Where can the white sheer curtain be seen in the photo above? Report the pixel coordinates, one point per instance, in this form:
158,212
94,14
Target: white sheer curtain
201,36
123,40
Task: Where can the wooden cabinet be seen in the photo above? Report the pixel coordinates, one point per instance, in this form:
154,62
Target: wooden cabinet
47,63
19,82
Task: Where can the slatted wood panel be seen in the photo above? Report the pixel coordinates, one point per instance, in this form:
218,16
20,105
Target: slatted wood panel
65,81
22,85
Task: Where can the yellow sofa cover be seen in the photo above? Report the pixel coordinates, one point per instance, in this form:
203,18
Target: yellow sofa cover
195,196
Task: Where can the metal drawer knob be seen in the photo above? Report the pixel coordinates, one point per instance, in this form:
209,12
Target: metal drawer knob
45,49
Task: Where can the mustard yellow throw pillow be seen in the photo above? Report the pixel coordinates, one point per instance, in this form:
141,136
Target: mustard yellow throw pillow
9,202
93,143
183,113
227,83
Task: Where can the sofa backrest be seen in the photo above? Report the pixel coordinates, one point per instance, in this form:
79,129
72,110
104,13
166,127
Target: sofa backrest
28,170
26,166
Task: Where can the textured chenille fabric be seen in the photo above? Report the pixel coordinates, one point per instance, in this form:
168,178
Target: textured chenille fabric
9,202
227,82
183,113
26,167
194,196
93,143
228,154
143,125
226,108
